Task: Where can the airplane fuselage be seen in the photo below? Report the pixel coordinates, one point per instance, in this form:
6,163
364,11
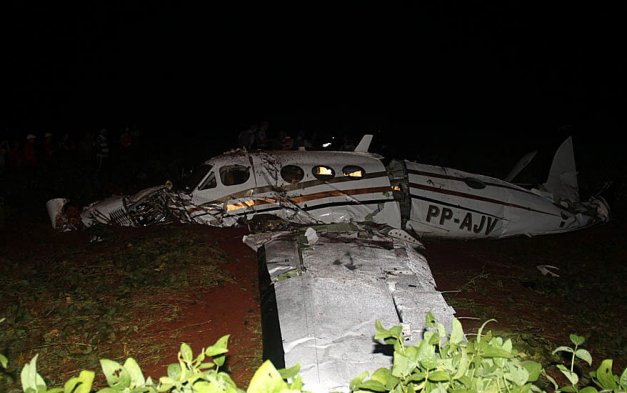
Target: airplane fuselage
331,187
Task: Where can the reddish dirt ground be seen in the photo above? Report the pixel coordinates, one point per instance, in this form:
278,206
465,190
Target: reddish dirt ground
481,279
230,309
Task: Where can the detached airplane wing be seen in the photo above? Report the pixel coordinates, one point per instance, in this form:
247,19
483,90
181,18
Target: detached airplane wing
322,291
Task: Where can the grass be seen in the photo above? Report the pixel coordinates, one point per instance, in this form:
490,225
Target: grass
87,301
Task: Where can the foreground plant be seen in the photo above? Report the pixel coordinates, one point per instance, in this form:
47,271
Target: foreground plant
200,374
449,363
603,377
440,362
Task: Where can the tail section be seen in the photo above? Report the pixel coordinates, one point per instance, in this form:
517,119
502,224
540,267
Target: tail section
562,180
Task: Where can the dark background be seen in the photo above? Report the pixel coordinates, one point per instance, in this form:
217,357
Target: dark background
471,83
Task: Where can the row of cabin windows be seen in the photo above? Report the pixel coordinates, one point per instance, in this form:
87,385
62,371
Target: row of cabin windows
294,174
238,174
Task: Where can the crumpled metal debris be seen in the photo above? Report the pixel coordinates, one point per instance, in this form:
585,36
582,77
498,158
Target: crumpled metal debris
545,270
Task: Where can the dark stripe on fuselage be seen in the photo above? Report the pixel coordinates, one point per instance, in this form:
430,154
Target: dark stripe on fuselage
475,197
321,206
463,179
297,186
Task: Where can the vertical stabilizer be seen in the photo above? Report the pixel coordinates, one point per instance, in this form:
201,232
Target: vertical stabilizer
562,180
364,144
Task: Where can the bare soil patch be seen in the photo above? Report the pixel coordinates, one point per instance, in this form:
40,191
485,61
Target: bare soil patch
141,292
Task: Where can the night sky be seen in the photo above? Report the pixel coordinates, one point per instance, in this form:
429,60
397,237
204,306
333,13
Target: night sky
461,74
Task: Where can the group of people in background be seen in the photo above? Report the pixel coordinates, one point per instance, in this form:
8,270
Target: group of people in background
259,135
44,150
92,163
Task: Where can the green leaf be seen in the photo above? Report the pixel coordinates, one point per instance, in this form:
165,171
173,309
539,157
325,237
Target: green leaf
358,380
623,379
219,360
552,380
517,374
219,348
266,380
174,371
490,351
533,368
605,377
403,365
135,372
417,376
373,386
457,333
380,331
30,378
4,362
577,340
55,390
117,377
186,353
287,373
572,377
80,384
562,349
207,387
584,355
384,375
462,367
589,389
480,331
439,376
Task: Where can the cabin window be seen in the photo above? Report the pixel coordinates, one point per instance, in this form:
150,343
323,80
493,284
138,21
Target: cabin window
474,183
231,175
323,172
353,171
292,173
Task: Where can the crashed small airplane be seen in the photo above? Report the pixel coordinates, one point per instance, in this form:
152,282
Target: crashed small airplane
322,187
355,257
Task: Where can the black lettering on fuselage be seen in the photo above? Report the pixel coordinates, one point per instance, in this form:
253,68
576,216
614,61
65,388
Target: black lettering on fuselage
433,211
467,222
478,229
491,225
447,214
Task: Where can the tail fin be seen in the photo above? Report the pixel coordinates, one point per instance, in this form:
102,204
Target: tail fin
562,180
364,144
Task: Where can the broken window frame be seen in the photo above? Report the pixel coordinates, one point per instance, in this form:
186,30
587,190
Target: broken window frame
322,176
351,170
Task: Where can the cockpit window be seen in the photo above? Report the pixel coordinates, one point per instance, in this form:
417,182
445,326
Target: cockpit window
209,182
353,171
323,172
231,175
292,173
191,181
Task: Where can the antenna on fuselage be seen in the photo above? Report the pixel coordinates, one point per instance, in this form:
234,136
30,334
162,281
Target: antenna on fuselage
364,143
